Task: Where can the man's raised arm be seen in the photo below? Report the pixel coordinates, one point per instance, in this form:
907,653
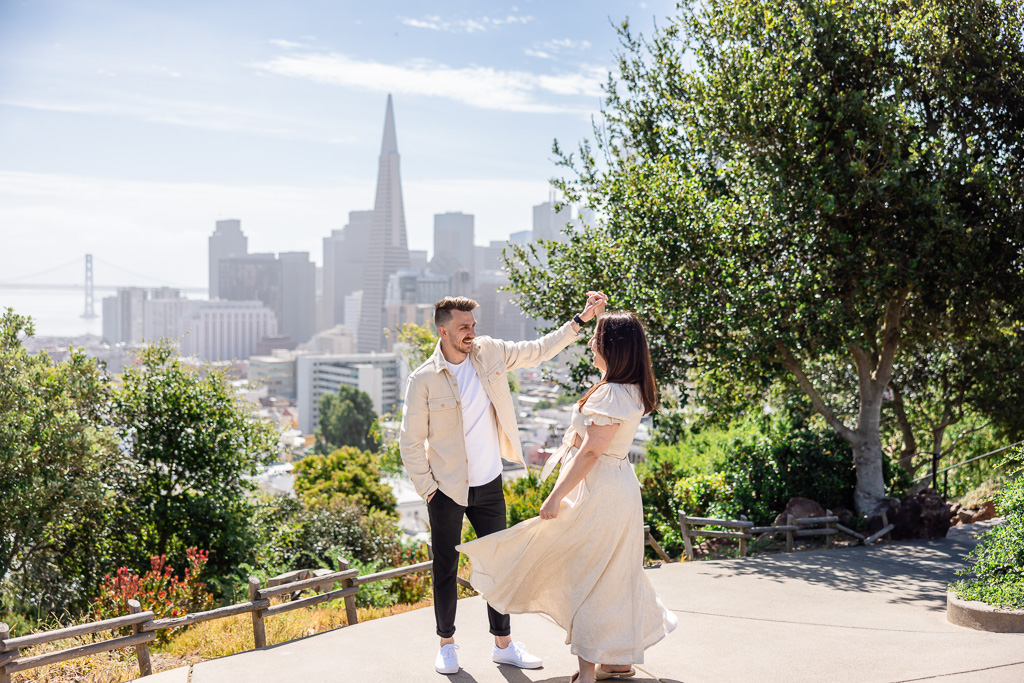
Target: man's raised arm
527,354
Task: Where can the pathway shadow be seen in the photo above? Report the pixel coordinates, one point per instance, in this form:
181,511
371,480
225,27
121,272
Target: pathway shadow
909,572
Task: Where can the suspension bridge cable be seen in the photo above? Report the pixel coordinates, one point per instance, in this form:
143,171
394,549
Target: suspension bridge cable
45,272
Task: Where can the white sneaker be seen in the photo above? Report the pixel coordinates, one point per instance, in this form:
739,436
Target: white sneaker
516,655
447,662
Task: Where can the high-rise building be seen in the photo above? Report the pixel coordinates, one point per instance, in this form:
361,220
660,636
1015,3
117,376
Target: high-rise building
345,255
298,294
124,316
276,372
378,374
418,260
252,277
389,251
227,330
226,241
453,243
165,312
548,224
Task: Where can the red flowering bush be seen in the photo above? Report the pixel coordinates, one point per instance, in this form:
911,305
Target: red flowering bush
158,590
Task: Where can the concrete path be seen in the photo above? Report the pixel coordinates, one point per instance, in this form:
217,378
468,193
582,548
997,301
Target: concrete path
854,614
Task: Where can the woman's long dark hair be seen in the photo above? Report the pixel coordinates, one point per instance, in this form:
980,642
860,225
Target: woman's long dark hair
620,338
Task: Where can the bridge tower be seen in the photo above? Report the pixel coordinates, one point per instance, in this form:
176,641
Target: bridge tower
90,307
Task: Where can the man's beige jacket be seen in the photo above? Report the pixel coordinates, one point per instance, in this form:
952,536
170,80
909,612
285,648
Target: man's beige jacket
433,442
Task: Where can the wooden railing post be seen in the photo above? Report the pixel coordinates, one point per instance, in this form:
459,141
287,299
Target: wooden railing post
5,633
789,533
259,631
829,525
142,649
351,615
685,530
743,541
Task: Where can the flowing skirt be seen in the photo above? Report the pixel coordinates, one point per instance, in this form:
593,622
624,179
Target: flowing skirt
583,569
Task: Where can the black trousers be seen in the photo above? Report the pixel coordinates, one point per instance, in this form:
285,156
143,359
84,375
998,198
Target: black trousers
486,512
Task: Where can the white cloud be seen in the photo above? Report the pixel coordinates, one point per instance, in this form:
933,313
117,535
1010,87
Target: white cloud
286,44
173,112
434,22
549,48
477,86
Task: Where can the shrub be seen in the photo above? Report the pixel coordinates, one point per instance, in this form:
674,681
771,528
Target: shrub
158,590
997,569
524,496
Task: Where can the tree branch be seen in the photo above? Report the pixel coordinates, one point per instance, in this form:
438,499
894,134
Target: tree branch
791,363
890,336
909,442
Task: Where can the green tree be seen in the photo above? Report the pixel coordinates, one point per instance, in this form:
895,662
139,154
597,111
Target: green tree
348,474
418,343
59,470
196,446
833,179
346,419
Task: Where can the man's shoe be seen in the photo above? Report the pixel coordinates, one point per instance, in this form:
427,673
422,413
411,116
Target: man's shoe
516,655
447,661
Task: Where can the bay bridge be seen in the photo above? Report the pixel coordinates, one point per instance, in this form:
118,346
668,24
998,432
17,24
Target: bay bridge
87,285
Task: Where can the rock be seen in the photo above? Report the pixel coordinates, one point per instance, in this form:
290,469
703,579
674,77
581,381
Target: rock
875,522
846,517
954,509
799,508
986,511
923,515
965,515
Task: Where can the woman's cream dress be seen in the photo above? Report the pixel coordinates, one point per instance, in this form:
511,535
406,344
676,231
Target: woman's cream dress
583,568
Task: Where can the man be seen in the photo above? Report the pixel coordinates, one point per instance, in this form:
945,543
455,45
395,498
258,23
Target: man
458,423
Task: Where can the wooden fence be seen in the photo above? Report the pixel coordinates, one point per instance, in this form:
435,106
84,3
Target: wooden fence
827,526
144,625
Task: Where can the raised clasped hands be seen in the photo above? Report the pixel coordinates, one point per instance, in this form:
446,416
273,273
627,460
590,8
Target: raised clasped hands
596,302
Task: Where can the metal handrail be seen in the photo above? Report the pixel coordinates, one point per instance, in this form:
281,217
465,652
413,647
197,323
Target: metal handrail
952,467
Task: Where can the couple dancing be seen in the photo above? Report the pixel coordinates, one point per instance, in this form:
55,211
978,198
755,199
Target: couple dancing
580,561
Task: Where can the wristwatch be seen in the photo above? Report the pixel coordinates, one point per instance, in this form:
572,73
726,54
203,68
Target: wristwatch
578,320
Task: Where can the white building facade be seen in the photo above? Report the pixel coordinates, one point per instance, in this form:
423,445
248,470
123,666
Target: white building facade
377,374
226,330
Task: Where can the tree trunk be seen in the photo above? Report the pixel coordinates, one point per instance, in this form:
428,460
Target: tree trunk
869,496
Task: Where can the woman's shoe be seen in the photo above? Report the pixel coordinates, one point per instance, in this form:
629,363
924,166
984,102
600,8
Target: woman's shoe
603,675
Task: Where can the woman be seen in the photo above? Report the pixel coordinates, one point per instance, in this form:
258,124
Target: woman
581,561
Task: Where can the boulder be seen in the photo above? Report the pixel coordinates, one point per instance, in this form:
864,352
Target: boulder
923,515
965,515
986,511
875,522
800,508
846,517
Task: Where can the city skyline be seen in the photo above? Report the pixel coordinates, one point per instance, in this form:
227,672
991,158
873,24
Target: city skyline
121,141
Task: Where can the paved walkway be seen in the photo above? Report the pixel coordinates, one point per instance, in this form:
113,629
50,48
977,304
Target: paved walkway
853,614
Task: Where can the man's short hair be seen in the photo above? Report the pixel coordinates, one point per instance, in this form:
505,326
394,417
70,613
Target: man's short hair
443,308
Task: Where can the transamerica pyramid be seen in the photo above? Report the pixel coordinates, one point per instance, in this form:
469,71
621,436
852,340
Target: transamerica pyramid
389,251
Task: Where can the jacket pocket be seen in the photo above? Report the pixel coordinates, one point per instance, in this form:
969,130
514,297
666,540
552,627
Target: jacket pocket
497,372
442,414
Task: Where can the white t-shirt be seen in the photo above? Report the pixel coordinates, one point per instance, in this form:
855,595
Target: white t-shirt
479,425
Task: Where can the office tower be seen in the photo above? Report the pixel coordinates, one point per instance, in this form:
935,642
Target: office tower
124,316
389,252
298,295
345,255
353,311
226,241
377,374
226,330
453,243
418,260
276,372
548,224
165,312
522,238
252,277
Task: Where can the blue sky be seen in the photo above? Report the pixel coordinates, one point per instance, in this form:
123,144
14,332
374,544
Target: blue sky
128,128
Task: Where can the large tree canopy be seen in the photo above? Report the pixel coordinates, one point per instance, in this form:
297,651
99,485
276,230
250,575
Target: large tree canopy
346,419
783,182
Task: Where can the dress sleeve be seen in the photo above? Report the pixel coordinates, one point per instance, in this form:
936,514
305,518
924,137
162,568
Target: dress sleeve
611,404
